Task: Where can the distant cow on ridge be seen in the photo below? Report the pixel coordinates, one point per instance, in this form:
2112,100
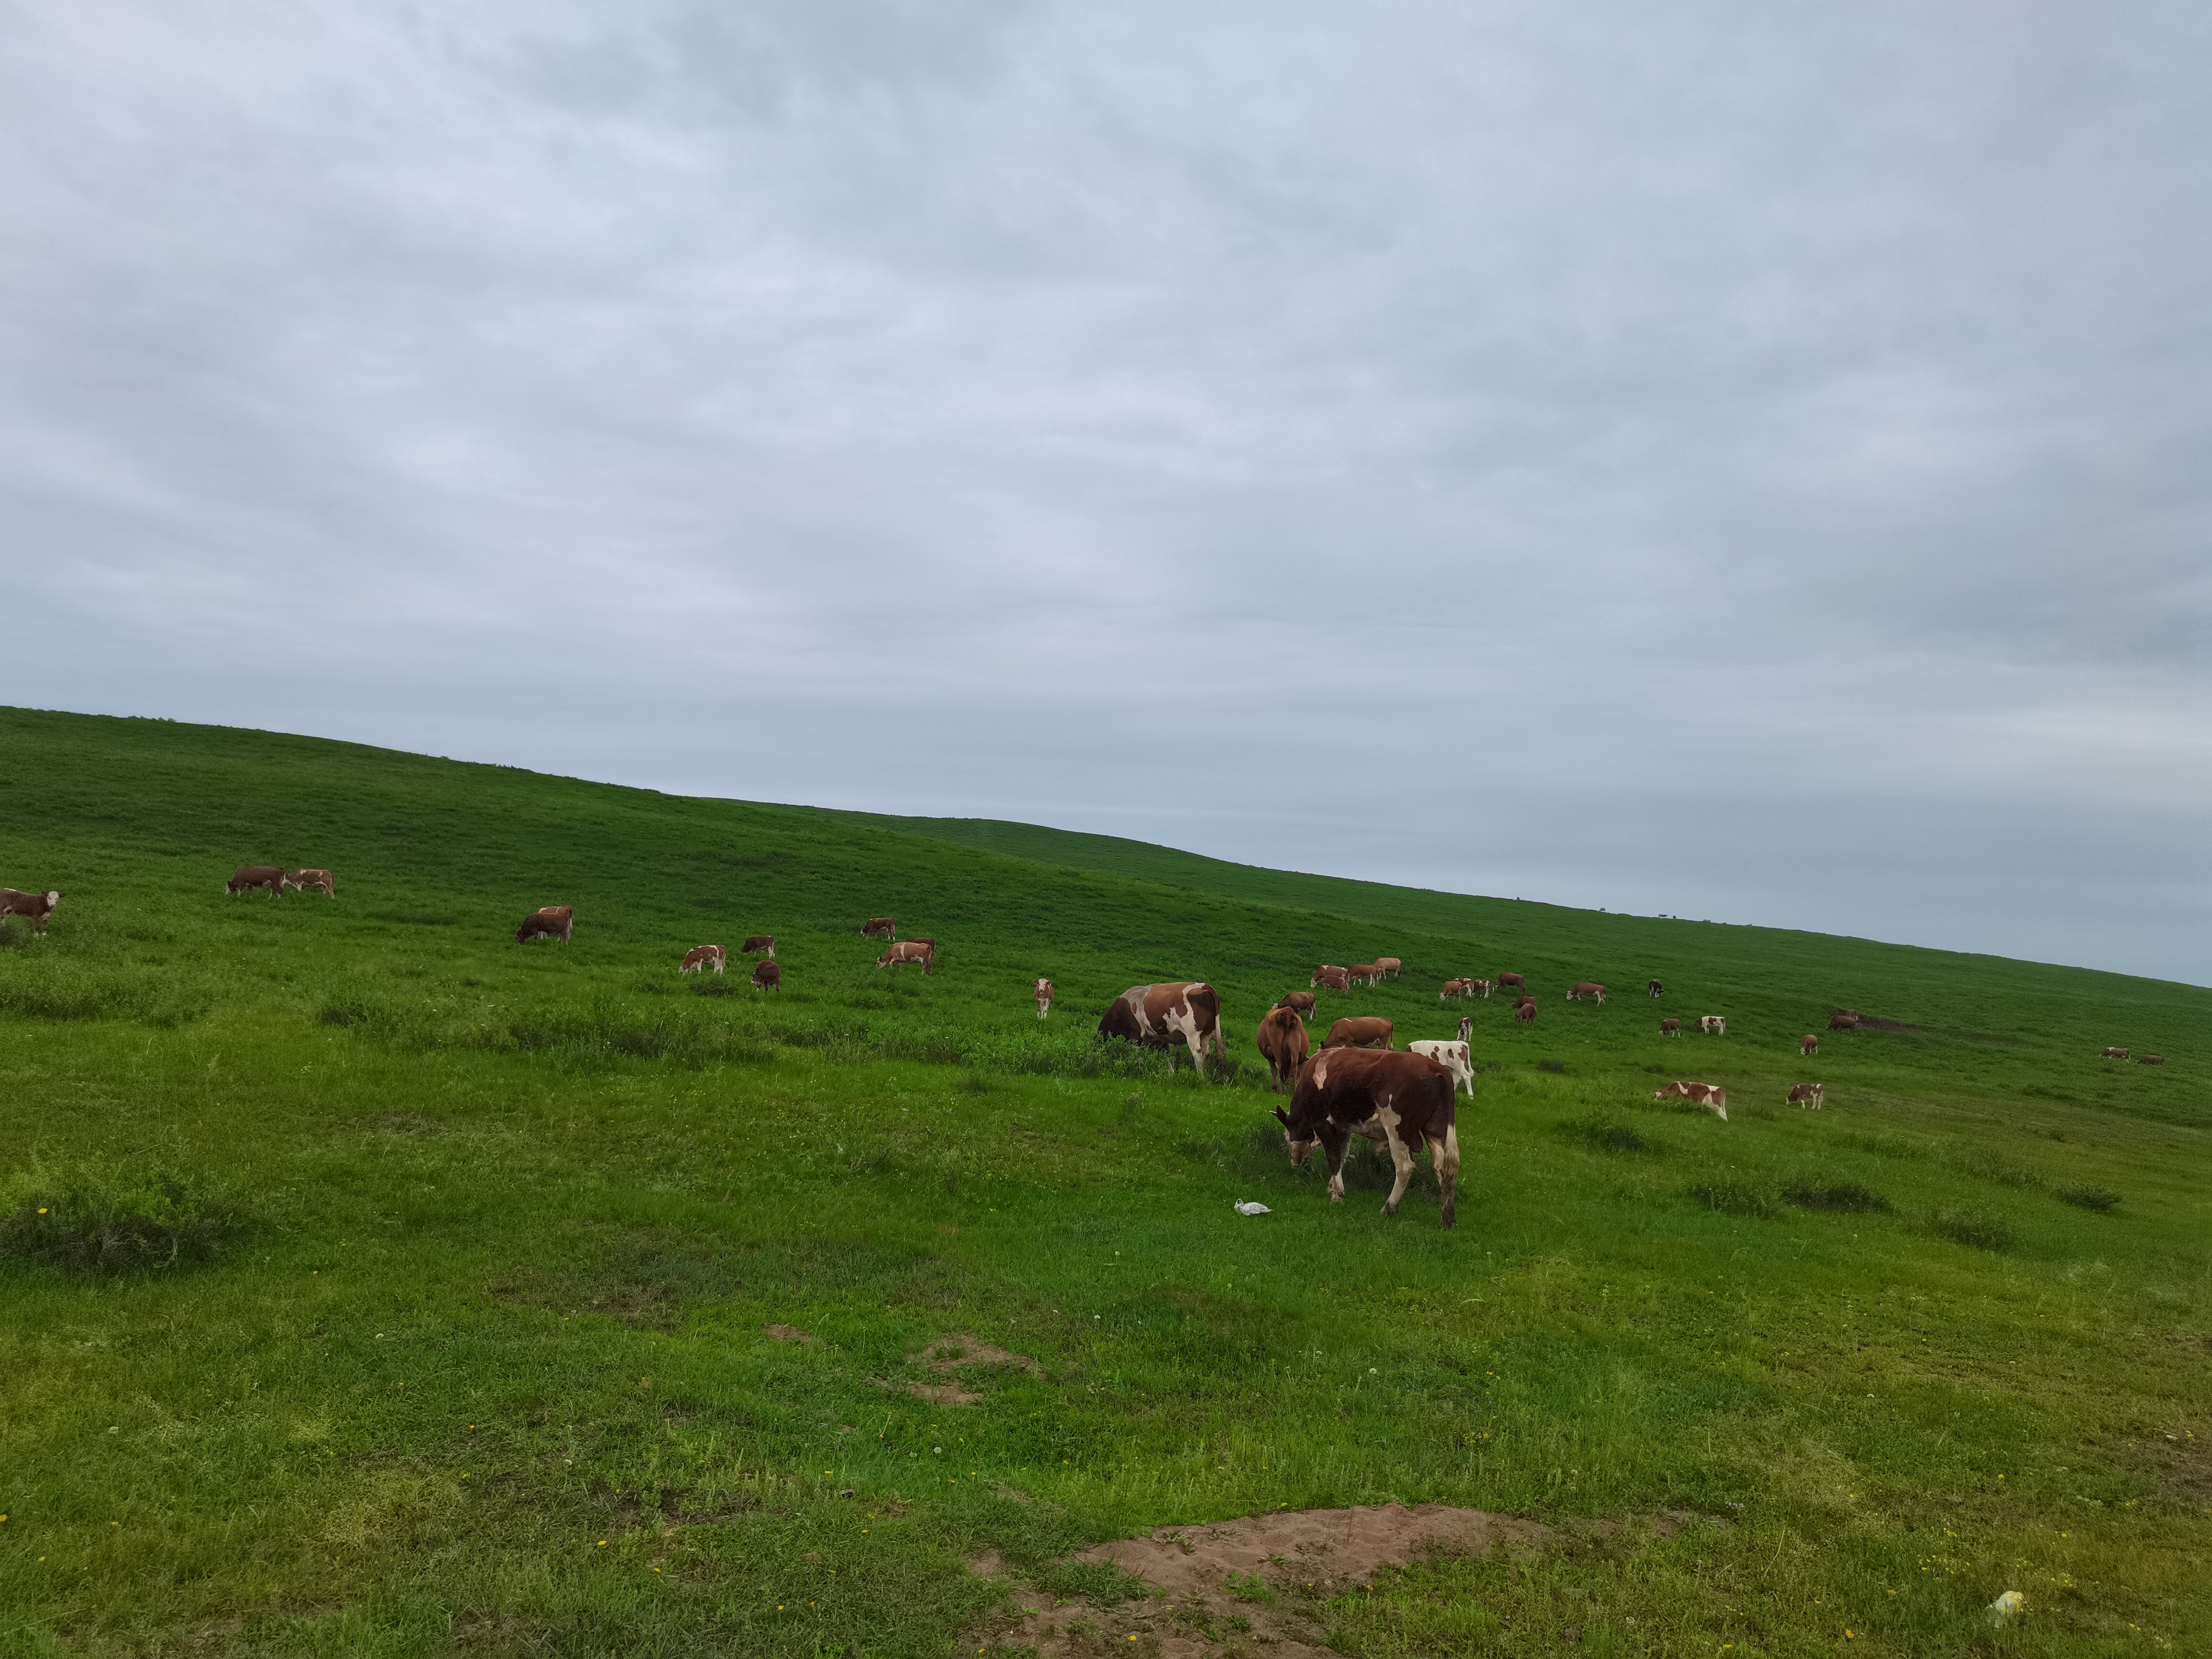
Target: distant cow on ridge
1156,1016
1284,1044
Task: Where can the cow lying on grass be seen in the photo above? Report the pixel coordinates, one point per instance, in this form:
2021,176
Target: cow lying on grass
1402,1101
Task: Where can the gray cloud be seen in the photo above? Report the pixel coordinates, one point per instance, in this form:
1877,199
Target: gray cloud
1733,460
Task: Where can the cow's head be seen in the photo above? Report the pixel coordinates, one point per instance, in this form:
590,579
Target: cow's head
1300,1149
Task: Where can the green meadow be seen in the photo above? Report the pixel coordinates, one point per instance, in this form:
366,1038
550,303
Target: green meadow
371,1285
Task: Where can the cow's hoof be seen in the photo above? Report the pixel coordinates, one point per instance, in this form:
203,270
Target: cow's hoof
1389,1209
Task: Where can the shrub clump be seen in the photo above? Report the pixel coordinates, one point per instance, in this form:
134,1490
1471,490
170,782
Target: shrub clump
1607,1137
2090,1198
1976,1228
1733,1198
1843,1195
109,1218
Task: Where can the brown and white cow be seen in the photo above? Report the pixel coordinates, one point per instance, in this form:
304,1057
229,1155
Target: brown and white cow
758,945
1403,1101
1360,1031
313,881
1466,1027
1042,991
1455,1057
1808,1044
1504,980
2113,1053
1670,1028
1807,1094
1456,987
768,976
879,927
548,921
1524,1013
1843,1020
1300,1002
923,951
1587,988
1713,1025
1710,1096
1158,1016
250,876
1284,1044
1388,966
1654,988
1332,978
1366,973
1482,987
2152,1059
701,958
36,909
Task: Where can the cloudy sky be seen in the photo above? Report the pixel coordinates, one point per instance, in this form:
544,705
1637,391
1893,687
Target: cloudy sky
1744,460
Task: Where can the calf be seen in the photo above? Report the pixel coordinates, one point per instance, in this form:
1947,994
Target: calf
1403,1101
1466,1027
1654,988
1454,1057
2113,1053
1284,1044
250,876
1300,1002
760,943
319,881
923,951
1524,1013
1587,988
1841,1021
36,909
1808,1044
1710,1096
879,927
1042,992
548,921
1333,979
768,976
1158,1016
699,957
1389,965
1670,1028
1359,1031
1713,1025
1805,1094
1504,980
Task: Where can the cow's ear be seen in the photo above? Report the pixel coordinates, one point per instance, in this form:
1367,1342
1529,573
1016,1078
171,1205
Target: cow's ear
1283,1116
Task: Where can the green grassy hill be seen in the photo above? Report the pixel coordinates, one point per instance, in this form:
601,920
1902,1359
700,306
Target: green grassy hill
372,1283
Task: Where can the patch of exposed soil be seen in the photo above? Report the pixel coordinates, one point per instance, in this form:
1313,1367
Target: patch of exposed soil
787,1334
1876,1022
948,1355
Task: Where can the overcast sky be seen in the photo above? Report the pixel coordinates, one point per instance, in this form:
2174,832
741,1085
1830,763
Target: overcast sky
1744,460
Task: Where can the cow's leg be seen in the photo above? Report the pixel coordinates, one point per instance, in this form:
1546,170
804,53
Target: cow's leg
1446,1156
1335,1142
1401,1160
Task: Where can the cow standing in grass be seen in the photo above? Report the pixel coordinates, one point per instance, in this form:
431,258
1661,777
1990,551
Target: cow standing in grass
1504,980
1524,1013
36,909
923,951
762,945
1806,1094
1158,1016
699,957
1587,988
1332,978
1843,1020
313,881
1042,992
1455,1057
1713,1025
1670,1028
1388,966
1466,1027
1360,1031
1300,1002
1654,988
1284,1044
1808,1044
1710,1096
250,876
548,921
881,927
767,976
1403,1101
2113,1053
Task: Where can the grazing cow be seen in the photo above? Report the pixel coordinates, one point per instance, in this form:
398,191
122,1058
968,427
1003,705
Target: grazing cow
1670,1028
1482,987
761,943
1841,1021
1587,988
923,951
1403,1101
1654,988
1300,1002
251,876
1042,992
879,927
1504,980
1456,987
320,881
1710,1096
1808,1044
548,921
701,958
1389,965
1713,1025
1366,973
1526,999
1359,1031
1155,1016
1524,1013
1334,979
2152,1059
1806,1094
1466,1027
1283,1045
768,976
36,909
2113,1053
1455,1057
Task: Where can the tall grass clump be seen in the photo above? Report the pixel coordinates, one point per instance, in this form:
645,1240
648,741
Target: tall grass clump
1606,1136
1847,1196
1978,1229
1733,1198
2090,1198
96,1218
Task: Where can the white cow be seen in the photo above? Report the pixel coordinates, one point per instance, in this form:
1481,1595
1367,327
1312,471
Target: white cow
1454,1057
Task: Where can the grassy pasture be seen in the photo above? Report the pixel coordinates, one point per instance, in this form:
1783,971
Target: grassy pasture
402,1290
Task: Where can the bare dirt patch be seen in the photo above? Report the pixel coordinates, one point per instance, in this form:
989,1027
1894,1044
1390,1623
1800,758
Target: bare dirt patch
949,1354
787,1334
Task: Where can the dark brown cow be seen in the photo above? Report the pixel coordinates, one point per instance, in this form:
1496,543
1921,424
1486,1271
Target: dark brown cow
1360,1031
1670,1028
315,881
879,927
1587,988
1841,1021
36,909
923,951
1334,979
1284,1044
548,921
1504,980
251,876
1405,1102
1808,1044
768,976
699,957
2113,1053
1042,992
1388,966
759,943
1156,1016
1654,988
1300,1002
2152,1059
1710,1096
1524,1013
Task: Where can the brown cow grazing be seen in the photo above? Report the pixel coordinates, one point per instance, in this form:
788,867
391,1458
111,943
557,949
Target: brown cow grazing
1366,973
1710,1096
1670,1028
1654,988
699,957
1042,992
1334,979
761,943
1587,988
548,921
2152,1059
1526,999
1482,987
1283,1045
1808,1044
36,909
1403,1101
2113,1053
1300,1002
319,881
1806,1094
768,976
1155,1016
1456,987
923,951
1360,1031
879,927
1389,965
1524,1013
1504,980
1713,1025
251,876
1840,1021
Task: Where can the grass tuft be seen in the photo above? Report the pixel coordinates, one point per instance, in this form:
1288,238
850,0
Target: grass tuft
2090,1198
1976,1228
1606,1136
97,1217
1843,1195
1733,1198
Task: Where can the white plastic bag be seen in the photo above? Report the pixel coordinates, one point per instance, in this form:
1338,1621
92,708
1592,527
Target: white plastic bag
1246,1206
